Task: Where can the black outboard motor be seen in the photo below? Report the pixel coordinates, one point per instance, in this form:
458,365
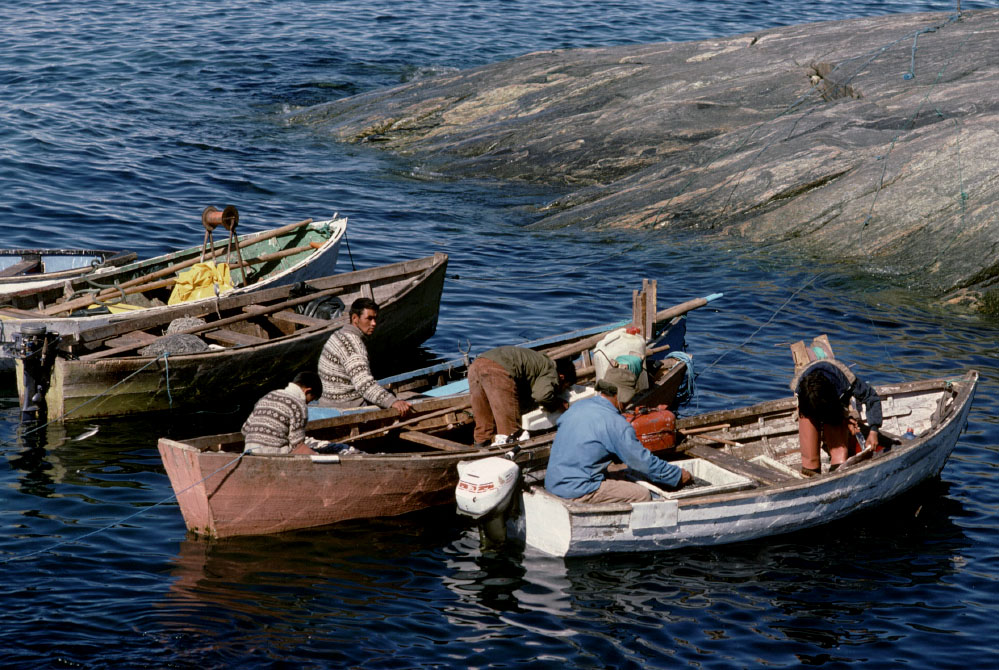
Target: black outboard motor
31,345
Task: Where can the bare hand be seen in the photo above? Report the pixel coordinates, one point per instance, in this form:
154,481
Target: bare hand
685,477
402,407
872,438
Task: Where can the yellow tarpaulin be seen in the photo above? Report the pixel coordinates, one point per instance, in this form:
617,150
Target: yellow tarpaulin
121,307
201,280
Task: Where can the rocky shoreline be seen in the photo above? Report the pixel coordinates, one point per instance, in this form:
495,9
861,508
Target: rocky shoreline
874,140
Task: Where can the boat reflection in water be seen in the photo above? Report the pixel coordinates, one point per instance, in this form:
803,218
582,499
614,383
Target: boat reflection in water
808,589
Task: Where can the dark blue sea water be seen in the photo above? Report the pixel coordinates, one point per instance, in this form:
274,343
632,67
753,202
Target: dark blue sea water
120,121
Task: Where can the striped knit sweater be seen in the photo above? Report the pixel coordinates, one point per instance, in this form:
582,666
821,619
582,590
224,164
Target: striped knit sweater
277,423
346,373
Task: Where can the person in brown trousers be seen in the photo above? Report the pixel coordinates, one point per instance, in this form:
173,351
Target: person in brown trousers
506,381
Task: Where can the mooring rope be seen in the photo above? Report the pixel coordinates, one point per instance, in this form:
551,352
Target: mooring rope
907,127
63,416
109,526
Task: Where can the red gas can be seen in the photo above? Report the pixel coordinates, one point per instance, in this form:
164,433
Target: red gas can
655,427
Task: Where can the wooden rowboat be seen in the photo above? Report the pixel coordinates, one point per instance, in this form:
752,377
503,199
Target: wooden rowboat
748,462
257,339
285,255
400,466
22,269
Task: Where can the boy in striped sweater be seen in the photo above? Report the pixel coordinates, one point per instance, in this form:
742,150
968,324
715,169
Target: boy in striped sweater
277,423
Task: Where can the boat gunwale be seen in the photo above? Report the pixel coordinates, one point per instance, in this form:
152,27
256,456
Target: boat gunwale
164,261
415,278
900,449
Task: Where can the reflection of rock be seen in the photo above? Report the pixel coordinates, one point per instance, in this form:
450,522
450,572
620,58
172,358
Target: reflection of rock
872,140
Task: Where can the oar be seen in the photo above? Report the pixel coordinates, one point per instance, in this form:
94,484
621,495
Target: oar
669,313
265,258
88,300
408,422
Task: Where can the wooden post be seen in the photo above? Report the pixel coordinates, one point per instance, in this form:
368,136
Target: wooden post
650,307
636,307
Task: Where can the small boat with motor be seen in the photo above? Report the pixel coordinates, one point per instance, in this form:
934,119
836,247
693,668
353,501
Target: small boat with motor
747,478
207,352
372,463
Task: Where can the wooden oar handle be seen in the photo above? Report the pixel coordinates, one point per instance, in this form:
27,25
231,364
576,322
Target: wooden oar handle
408,422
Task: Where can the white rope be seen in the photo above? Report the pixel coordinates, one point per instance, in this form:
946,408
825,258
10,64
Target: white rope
121,521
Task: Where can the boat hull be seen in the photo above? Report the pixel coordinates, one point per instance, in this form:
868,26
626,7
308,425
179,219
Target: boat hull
311,263
409,295
562,528
24,269
224,494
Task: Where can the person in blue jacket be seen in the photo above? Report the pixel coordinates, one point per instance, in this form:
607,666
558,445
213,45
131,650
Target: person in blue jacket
824,389
591,435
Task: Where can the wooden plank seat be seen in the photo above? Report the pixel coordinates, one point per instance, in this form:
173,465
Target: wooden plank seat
136,339
432,441
233,338
297,319
29,265
732,463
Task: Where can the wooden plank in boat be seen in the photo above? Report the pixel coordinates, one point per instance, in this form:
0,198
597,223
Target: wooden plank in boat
295,318
433,441
735,464
24,266
14,313
135,339
226,336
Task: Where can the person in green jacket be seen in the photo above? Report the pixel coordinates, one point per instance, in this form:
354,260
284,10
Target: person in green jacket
506,381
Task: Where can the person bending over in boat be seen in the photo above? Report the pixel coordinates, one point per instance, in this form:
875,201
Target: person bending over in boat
592,435
344,367
824,389
277,423
506,381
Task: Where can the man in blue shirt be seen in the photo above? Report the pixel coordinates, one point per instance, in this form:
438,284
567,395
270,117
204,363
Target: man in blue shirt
593,434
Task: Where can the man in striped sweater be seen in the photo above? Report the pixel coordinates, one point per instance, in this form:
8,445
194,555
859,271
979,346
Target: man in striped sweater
277,423
344,367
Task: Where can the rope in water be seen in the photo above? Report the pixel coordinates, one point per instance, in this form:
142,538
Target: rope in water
165,355
109,526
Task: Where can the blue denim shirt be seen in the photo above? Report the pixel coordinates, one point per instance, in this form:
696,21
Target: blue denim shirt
592,435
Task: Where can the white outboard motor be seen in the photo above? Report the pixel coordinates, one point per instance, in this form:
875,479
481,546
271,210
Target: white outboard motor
485,489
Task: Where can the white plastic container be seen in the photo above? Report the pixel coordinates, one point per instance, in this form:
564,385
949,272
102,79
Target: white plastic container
616,343
539,419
